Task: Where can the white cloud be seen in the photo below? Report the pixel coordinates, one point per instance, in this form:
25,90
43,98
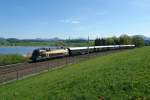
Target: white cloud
64,21
70,21
75,22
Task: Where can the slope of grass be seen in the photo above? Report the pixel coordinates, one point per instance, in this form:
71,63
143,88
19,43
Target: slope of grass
118,76
11,59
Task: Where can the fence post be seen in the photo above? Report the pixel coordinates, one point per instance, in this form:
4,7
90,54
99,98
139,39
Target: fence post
66,60
17,74
49,67
74,60
3,78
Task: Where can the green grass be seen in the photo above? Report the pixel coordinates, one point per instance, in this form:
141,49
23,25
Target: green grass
118,76
11,59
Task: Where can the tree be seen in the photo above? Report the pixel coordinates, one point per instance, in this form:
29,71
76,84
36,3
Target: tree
138,41
122,40
103,41
116,40
97,42
125,40
100,42
110,41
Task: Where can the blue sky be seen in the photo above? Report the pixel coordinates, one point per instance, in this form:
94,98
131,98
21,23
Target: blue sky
73,18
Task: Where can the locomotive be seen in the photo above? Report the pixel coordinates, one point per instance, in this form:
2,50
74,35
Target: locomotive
47,53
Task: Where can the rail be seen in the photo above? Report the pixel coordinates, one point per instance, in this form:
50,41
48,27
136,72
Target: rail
22,70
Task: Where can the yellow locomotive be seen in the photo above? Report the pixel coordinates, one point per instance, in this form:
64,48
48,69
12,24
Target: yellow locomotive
46,53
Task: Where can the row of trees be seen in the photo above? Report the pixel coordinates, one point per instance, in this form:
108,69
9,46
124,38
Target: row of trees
122,40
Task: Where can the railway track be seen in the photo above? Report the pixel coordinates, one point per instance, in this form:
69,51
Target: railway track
17,71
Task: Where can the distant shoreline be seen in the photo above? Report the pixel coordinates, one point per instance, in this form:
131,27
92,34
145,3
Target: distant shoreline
29,46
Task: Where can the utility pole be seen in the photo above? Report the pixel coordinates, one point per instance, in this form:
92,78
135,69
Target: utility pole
69,41
88,47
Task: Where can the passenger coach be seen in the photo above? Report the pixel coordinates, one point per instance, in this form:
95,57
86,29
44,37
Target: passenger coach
46,53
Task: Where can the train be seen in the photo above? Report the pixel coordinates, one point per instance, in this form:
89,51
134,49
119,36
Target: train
48,53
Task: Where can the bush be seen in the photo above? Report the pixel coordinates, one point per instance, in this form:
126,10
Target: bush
138,41
11,59
110,41
125,39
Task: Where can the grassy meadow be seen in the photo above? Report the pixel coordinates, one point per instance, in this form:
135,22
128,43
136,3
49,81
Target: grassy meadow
11,59
120,76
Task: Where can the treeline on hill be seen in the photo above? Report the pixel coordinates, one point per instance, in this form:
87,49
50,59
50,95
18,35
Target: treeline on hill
122,40
44,42
17,42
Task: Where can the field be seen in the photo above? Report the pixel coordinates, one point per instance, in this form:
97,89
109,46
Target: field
119,76
11,59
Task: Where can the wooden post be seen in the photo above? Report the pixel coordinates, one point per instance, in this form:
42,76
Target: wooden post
66,60
88,47
17,74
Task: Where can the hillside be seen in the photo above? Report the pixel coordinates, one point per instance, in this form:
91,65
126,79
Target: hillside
44,42
124,75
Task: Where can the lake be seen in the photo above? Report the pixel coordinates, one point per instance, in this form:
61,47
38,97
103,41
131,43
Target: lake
18,50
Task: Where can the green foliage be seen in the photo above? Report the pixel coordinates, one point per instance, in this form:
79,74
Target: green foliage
3,42
116,40
122,40
138,41
11,59
107,41
110,41
125,39
119,76
16,42
99,41
77,42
